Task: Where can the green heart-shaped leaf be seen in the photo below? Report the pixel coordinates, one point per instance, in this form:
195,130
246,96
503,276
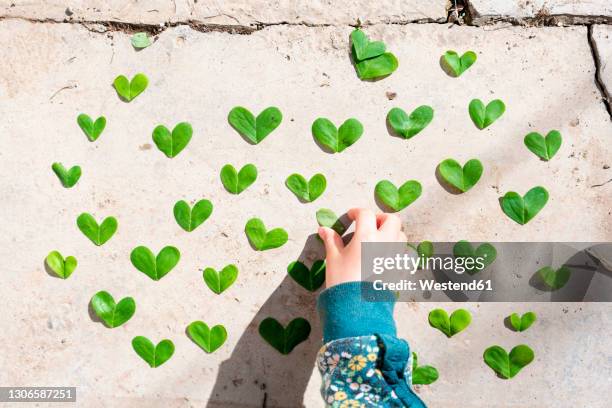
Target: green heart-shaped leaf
92,129
425,249
208,339
327,218
155,267
191,218
311,279
474,260
307,191
423,375
140,40
484,116
218,282
458,321
128,90
409,125
363,48
236,182
398,199
336,140
455,65
522,323
377,67
255,129
262,239
523,209
507,366
98,234
171,144
60,266
555,279
461,178
152,354
544,148
68,178
111,313
284,339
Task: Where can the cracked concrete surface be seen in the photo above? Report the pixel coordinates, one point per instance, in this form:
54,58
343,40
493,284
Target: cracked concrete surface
53,71
601,36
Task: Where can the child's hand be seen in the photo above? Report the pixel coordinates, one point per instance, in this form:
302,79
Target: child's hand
343,263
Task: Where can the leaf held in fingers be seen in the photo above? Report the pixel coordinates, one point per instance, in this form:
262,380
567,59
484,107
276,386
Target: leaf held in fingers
523,209
155,267
483,116
191,218
262,239
522,323
458,321
555,279
456,65
508,365
209,339
236,182
336,140
154,355
172,143
284,339
397,199
128,90
218,282
254,128
474,260
462,178
311,279
327,218
111,313
63,268
307,191
544,147
68,178
98,234
423,375
92,129
409,125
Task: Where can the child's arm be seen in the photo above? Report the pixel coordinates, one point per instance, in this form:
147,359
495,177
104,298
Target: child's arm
362,361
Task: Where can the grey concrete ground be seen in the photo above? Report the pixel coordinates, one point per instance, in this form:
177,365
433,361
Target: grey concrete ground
294,57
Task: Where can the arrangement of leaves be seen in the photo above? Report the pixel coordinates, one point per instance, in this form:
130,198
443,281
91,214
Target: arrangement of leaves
311,279
555,279
508,365
327,218
68,178
397,199
423,375
140,40
523,209
544,147
261,239
111,313
336,139
98,234
92,129
236,182
284,339
455,65
209,339
522,323
172,143
485,252
128,90
191,218
371,60
483,116
409,125
462,178
218,282
255,129
155,267
459,320
63,268
306,191
154,355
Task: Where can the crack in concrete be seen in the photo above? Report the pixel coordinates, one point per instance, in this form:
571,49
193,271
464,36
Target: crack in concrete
602,184
601,86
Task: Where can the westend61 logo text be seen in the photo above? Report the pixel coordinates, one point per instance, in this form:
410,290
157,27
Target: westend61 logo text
408,263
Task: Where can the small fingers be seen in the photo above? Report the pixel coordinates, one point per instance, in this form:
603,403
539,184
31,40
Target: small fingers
389,223
332,241
365,221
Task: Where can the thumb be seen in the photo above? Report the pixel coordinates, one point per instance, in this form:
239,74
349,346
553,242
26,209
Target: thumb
332,241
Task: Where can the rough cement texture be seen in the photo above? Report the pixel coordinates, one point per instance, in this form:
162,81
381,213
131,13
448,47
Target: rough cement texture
51,72
602,38
235,12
